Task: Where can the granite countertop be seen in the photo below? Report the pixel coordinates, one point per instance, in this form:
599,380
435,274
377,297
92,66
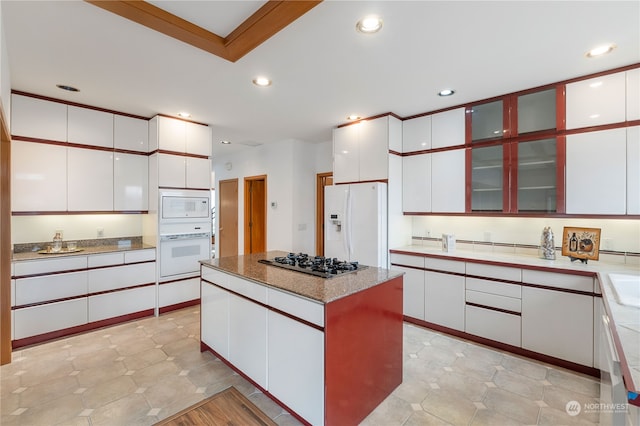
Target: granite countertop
625,319
308,286
83,251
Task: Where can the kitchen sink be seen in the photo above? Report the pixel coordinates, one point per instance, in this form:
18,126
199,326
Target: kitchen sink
627,289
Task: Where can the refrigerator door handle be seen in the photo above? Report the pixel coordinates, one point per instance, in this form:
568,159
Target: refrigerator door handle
349,223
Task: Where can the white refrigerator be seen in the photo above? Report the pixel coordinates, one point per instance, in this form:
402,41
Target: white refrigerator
356,223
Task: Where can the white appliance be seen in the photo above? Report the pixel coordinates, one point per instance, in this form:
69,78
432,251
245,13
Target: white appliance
356,223
184,205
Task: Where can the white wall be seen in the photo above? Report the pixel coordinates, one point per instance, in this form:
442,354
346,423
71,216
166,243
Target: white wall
5,75
290,167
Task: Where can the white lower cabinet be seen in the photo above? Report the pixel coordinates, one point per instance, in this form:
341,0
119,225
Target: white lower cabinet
558,324
214,312
50,287
119,303
178,292
493,325
105,279
413,292
444,299
50,317
248,338
296,366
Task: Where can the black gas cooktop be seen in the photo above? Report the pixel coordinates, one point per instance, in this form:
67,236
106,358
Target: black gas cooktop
319,266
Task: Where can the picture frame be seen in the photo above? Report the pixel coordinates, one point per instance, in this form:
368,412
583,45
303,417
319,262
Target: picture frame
581,243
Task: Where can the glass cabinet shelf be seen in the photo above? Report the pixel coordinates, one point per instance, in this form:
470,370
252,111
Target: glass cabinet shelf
537,176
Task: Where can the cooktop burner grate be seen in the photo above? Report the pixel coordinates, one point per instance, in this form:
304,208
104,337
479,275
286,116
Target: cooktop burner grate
314,265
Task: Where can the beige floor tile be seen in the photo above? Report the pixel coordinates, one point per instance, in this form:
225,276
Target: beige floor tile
122,411
518,384
511,405
524,367
492,418
392,411
449,406
422,418
574,382
107,392
463,385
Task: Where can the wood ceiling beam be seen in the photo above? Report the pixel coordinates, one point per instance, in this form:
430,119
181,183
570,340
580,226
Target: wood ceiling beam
272,17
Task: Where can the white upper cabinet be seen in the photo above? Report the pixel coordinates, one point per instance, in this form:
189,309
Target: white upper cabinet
596,101
596,172
170,134
198,173
130,182
416,178
345,154
38,177
171,171
90,127
89,180
633,170
198,139
130,133
416,134
37,118
448,181
448,128
374,149
633,94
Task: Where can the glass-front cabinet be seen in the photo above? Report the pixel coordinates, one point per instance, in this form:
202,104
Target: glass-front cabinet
514,154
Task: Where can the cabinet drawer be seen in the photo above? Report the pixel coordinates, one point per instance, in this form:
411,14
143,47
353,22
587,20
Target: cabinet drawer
105,259
248,288
494,287
492,271
216,277
493,325
50,287
50,317
407,260
554,279
493,300
139,255
61,264
297,306
444,265
119,303
178,291
106,279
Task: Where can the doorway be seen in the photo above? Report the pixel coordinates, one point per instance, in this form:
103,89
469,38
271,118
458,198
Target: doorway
322,180
227,241
255,214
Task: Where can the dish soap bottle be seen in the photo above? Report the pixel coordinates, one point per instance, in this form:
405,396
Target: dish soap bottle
57,243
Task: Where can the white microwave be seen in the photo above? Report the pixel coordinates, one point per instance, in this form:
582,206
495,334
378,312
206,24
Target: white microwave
175,205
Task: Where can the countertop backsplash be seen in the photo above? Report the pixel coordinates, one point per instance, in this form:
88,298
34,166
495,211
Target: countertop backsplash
121,241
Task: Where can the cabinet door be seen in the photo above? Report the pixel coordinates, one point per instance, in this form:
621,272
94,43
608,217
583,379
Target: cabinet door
214,318
413,292
50,317
448,128
296,366
558,324
90,127
633,170
37,118
176,292
346,164
198,173
536,171
130,182
444,299
599,100
50,287
198,139
171,134
416,134
448,181
416,183
130,133
248,338
596,172
171,171
373,149
118,303
90,180
487,178
38,177
633,94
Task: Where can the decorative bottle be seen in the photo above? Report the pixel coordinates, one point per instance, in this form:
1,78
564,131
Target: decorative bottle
57,243
547,248
573,243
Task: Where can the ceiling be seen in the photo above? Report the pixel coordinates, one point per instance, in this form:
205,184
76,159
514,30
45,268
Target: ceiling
322,68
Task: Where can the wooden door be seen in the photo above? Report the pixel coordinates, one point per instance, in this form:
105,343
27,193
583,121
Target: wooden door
255,214
322,180
228,218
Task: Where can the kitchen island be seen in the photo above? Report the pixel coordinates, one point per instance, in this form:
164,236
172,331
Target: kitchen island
329,350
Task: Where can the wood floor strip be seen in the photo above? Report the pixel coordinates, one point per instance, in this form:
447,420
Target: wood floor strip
228,407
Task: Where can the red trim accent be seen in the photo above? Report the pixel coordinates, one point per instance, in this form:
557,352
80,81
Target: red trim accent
561,160
373,117
362,181
180,154
468,183
527,214
392,152
204,347
180,118
508,348
492,308
510,178
32,340
176,306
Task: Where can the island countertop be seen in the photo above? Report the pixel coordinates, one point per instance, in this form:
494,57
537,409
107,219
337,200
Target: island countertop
308,286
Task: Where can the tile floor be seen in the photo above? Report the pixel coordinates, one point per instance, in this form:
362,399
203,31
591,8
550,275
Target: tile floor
143,371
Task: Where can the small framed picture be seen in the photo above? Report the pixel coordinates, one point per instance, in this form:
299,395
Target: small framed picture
581,243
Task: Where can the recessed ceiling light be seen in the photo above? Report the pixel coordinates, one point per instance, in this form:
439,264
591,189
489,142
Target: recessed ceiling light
184,114
225,142
353,117
600,50
446,92
369,25
262,81
67,88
